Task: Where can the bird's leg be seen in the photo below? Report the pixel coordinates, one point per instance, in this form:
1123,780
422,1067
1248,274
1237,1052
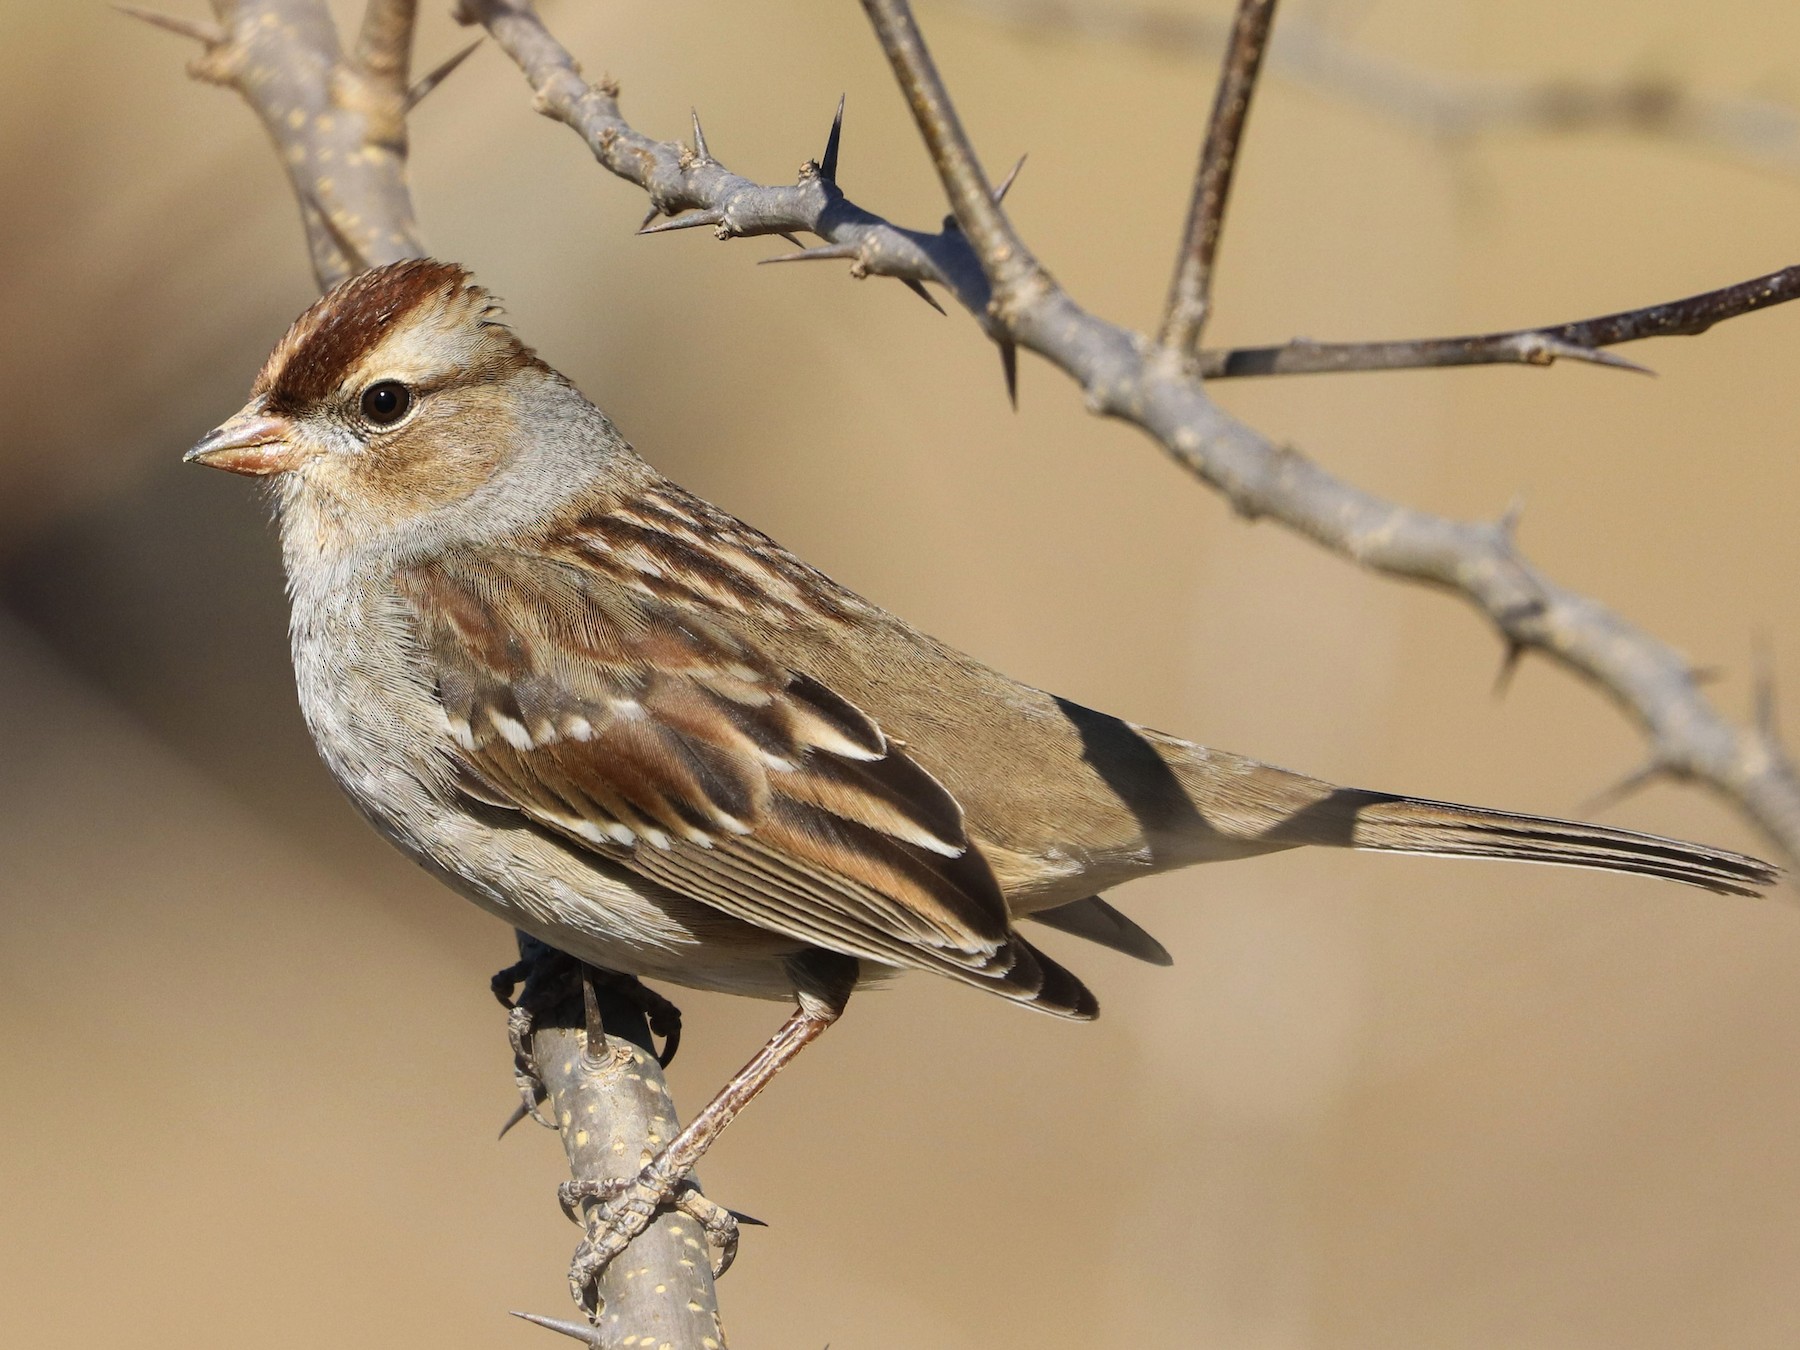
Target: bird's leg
616,1212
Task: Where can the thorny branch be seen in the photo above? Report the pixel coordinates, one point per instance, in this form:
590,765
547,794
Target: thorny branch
1758,133
384,47
1126,375
1583,340
693,190
339,124
613,1112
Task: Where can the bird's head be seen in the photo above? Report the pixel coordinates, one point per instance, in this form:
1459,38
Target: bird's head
398,394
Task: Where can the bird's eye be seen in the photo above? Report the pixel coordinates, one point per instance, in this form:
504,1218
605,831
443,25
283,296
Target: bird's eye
385,402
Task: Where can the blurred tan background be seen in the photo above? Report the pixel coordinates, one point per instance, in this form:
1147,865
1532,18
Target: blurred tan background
250,1072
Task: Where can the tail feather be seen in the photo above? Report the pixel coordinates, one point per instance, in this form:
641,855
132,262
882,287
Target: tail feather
1412,825
1235,806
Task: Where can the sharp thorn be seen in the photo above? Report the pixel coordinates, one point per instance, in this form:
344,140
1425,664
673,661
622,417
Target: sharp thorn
200,30
519,1113
1509,666
1009,362
438,75
1006,187
1508,524
918,289
687,221
750,1219
594,1026
820,254
1596,356
828,163
793,239
1599,357
654,212
1633,782
1549,349
699,137
587,1335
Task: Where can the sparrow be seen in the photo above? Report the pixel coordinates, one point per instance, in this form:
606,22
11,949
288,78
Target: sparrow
646,734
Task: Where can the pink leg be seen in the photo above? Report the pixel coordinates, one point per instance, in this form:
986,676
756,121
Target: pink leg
624,1209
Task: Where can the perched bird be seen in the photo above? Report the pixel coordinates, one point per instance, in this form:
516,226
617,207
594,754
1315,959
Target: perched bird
645,733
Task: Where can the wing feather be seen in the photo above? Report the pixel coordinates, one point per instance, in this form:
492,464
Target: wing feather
662,738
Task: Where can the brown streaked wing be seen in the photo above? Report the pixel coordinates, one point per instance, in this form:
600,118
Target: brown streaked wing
661,738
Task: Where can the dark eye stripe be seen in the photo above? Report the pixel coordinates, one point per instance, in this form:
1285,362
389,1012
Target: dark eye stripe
325,344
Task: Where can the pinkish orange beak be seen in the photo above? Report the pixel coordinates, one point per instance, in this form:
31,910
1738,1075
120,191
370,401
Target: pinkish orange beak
253,442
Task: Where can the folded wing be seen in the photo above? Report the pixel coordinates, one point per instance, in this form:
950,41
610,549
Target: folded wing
655,735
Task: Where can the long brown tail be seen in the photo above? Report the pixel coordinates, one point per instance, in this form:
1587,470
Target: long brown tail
1410,825
1240,806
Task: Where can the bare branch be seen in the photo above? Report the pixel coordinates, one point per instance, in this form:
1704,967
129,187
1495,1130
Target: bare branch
1190,296
1579,341
1126,376
972,197
340,133
1758,133
1526,347
384,48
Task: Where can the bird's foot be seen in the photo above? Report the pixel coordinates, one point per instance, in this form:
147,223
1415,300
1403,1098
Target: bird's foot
550,979
532,1092
554,985
615,1211
663,1017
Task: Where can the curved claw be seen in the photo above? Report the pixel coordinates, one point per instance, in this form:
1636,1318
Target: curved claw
572,1195
719,1224
615,1211
612,1212
584,1278
532,1093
